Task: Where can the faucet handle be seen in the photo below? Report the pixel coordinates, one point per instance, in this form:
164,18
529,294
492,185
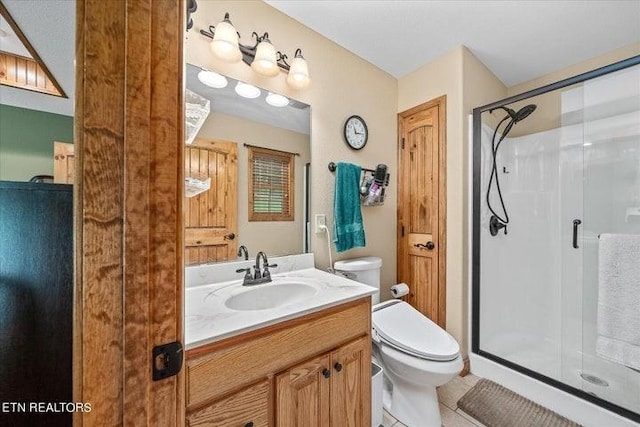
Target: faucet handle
266,273
246,271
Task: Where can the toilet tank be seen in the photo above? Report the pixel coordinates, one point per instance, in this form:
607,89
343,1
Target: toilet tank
364,270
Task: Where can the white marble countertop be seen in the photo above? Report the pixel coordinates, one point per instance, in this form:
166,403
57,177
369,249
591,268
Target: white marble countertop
208,319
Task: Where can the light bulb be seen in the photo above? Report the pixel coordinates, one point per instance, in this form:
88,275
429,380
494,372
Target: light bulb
212,79
246,90
277,100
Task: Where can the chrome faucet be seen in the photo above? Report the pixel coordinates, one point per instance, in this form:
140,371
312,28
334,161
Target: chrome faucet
259,275
242,250
265,265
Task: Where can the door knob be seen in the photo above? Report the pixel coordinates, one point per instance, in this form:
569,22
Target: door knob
429,245
230,236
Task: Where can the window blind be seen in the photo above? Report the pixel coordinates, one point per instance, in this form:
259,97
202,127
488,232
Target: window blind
272,185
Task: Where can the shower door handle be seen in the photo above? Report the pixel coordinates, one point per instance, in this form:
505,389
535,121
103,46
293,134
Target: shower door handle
576,223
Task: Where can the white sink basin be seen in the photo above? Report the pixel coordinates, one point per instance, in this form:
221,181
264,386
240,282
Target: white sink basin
270,295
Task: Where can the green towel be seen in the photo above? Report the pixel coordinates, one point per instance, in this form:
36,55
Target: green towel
347,216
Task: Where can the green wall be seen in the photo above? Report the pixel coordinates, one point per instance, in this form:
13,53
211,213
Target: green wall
26,141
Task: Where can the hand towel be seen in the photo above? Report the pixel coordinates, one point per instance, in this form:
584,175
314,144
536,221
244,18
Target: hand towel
619,299
347,216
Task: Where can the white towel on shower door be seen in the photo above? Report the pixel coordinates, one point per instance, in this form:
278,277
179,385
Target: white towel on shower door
619,299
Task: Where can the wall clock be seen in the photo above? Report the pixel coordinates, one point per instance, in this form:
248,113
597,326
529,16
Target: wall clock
356,132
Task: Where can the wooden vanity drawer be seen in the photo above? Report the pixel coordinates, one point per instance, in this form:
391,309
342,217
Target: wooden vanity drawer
220,368
248,407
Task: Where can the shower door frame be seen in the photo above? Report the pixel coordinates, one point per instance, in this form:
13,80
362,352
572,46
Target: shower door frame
475,262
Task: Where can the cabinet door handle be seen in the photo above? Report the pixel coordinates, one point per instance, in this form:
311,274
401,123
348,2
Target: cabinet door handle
326,373
249,424
338,366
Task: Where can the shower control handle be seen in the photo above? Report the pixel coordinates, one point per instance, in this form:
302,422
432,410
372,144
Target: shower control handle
576,223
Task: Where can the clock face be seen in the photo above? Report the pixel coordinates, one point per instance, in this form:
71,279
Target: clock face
356,132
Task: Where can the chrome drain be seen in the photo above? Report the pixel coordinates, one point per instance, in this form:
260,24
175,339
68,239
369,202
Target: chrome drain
594,380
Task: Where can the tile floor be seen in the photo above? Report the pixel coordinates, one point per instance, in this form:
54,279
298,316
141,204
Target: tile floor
448,395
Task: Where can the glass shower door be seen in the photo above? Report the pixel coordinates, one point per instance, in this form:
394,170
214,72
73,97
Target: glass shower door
609,229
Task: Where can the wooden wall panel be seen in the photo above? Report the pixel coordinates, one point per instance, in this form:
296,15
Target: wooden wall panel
129,239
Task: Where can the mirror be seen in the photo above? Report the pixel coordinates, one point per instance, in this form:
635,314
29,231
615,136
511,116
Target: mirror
241,153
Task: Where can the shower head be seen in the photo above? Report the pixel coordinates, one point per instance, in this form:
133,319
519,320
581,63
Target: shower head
524,112
521,114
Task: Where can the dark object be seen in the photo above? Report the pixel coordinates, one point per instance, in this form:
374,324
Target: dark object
380,174
338,366
326,373
192,6
249,424
167,360
495,225
36,299
242,250
230,236
497,221
576,223
429,245
42,178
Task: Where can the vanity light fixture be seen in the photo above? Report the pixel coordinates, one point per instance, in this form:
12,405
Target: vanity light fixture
265,62
225,44
246,90
298,77
212,79
276,100
263,58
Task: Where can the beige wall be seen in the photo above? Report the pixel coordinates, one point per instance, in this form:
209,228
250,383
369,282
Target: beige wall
342,84
274,238
467,83
548,114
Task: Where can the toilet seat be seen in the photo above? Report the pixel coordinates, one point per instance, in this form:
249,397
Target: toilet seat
401,326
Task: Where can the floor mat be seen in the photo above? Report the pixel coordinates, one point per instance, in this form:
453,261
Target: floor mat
497,406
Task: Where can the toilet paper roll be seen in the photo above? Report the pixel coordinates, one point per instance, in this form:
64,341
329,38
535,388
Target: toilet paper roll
399,290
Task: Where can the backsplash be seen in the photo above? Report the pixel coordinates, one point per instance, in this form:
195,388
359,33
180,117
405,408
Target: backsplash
206,274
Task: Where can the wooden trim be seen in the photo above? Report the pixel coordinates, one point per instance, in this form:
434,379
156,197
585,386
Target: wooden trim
128,209
441,103
16,29
466,368
25,73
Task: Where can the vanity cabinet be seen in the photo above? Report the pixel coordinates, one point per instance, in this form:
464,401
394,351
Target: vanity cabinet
310,371
327,390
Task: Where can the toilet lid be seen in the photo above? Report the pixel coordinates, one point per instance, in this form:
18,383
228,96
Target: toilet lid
405,328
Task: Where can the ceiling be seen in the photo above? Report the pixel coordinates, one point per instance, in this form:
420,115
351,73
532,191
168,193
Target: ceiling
516,40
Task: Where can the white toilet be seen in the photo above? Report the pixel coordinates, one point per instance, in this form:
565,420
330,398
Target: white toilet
415,353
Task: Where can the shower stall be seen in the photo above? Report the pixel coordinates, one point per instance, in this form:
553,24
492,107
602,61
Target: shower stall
556,238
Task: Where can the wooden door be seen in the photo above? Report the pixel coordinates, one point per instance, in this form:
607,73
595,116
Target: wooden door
422,208
63,163
351,384
302,394
211,223
129,190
